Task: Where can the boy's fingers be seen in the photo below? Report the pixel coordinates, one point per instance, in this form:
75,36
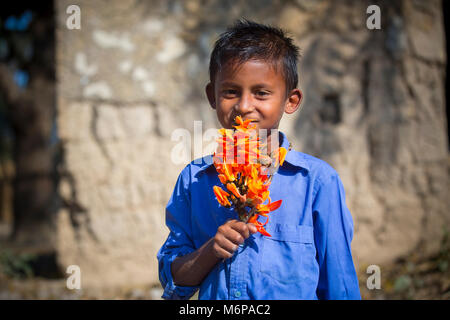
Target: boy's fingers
222,253
242,229
235,236
252,228
225,244
231,232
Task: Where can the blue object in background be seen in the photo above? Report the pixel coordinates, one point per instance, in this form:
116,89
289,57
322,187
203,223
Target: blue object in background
19,24
21,78
54,139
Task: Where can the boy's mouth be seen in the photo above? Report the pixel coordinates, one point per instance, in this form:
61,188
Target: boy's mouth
247,118
233,120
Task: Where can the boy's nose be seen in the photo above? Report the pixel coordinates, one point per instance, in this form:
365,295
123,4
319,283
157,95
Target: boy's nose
244,106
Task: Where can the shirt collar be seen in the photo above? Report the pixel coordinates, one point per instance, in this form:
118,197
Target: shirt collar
292,157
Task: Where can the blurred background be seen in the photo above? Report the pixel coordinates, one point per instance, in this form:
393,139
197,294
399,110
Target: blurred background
89,99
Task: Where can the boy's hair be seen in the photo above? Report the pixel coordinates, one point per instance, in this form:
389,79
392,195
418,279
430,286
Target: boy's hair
247,40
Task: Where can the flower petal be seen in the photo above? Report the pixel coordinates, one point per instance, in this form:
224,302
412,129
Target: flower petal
263,231
274,205
282,155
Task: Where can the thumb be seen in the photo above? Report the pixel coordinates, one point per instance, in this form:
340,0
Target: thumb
252,228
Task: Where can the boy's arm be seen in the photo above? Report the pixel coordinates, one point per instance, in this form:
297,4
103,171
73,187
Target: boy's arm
191,269
178,259
179,241
333,233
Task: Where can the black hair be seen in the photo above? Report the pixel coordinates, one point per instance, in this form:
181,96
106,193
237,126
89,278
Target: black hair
247,40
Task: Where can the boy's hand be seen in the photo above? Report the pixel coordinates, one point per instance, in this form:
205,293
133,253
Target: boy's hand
191,269
229,236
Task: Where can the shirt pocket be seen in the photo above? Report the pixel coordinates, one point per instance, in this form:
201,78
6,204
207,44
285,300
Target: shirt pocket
289,254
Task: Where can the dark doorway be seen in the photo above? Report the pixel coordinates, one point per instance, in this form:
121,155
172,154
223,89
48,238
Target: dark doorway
27,118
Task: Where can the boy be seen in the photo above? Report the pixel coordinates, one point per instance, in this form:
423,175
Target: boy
253,74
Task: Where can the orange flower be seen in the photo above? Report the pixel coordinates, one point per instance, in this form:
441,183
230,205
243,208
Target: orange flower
259,226
243,169
223,178
233,189
266,208
243,126
222,196
282,154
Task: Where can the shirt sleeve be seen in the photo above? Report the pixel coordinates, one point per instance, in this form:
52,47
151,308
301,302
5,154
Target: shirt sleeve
179,241
333,233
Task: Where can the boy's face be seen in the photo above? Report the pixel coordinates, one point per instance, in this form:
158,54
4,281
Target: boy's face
253,90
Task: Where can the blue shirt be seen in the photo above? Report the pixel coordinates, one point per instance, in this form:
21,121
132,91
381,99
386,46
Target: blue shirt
308,256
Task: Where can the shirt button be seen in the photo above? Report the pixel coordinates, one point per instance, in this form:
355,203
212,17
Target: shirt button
237,293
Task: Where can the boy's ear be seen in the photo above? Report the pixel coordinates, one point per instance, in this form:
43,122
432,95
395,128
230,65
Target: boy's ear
294,100
210,94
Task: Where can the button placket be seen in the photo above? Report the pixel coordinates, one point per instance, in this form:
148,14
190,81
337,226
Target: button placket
237,270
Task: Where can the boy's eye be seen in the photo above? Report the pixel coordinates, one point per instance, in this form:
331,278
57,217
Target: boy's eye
229,92
262,93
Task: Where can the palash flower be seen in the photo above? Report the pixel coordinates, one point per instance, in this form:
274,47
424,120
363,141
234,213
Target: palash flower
242,166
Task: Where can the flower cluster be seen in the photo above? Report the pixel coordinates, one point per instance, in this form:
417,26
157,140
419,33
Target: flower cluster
242,163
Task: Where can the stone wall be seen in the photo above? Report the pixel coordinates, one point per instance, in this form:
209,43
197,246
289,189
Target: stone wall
374,108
